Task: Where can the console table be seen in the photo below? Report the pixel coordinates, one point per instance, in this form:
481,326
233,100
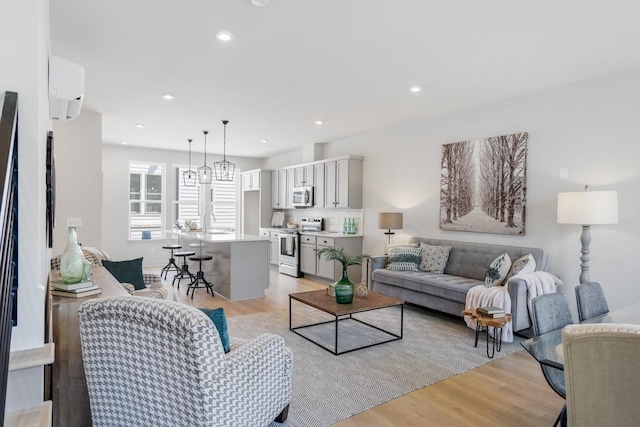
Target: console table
68,385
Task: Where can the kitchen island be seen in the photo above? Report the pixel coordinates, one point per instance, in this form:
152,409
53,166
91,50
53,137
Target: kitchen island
240,265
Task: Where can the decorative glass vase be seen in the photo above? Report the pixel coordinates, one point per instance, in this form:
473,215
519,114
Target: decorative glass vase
344,288
72,265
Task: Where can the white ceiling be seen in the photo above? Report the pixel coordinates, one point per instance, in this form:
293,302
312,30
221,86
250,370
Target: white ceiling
347,62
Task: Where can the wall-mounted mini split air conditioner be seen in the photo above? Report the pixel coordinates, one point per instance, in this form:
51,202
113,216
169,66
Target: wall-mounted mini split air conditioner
66,89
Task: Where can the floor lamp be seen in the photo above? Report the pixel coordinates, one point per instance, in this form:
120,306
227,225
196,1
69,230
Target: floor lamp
389,221
587,208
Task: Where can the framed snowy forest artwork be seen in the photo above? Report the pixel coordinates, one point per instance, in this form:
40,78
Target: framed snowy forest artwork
483,185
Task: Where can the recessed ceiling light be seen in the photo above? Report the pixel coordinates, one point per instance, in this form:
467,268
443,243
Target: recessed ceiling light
319,122
167,96
264,141
224,36
139,125
123,142
415,89
260,3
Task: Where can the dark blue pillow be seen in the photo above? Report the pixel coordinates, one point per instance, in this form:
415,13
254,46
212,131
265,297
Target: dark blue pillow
220,321
126,271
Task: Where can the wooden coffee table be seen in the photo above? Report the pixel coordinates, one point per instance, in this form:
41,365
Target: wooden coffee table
486,322
321,301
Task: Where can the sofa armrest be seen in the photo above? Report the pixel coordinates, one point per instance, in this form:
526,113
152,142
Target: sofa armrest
517,288
374,263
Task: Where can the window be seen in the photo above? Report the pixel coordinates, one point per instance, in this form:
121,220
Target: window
145,201
224,202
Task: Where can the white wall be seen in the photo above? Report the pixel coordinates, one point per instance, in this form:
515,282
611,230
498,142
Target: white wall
589,127
78,149
115,169
24,46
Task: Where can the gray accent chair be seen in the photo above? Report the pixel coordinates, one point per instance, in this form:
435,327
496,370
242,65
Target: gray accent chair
601,368
591,300
548,313
158,363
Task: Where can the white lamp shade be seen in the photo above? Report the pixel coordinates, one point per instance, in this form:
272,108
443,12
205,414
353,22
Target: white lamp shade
588,207
390,220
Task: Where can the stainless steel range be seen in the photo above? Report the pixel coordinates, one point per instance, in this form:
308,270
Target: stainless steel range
290,246
290,253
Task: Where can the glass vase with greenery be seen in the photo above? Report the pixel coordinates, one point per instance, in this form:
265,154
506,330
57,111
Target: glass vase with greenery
344,286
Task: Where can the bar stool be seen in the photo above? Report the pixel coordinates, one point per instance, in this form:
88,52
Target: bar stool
172,261
184,273
200,281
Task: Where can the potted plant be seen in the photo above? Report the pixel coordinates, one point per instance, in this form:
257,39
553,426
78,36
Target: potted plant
344,286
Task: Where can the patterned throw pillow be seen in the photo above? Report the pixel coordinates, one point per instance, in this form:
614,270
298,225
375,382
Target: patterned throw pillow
403,259
497,271
434,258
525,264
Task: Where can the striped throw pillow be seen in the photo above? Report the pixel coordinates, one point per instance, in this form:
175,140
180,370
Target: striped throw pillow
404,259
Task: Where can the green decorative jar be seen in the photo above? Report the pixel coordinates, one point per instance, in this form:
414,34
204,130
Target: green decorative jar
72,264
344,288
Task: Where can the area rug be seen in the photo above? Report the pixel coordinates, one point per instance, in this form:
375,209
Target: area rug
329,388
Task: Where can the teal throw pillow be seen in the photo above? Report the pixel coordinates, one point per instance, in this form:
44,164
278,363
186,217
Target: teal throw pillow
404,259
126,271
220,321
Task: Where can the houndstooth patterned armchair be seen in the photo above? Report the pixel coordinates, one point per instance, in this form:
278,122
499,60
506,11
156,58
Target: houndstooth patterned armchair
160,363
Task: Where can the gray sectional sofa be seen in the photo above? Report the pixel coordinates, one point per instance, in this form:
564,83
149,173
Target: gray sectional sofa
465,269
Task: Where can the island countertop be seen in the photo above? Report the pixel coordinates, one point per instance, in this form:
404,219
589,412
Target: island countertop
216,236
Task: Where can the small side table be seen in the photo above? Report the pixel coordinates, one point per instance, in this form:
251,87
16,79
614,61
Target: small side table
486,322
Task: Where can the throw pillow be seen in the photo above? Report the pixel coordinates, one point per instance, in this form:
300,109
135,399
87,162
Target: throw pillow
403,259
126,271
524,264
220,321
497,271
434,258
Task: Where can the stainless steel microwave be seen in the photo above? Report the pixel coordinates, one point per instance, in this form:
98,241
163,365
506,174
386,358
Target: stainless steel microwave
302,197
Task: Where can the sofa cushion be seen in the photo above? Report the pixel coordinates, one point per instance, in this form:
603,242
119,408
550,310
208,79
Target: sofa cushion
404,259
129,271
525,264
445,286
497,270
220,321
434,258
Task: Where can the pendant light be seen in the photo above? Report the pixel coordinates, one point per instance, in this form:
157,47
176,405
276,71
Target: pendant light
204,172
189,176
224,170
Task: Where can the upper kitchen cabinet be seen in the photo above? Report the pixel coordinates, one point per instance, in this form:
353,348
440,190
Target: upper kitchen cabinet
318,190
290,179
304,176
343,183
279,193
251,180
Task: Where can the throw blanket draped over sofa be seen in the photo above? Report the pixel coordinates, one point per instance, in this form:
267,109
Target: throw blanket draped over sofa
465,268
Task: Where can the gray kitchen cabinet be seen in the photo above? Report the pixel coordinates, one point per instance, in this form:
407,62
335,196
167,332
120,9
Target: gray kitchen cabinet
279,194
343,183
250,180
318,188
304,175
289,188
320,267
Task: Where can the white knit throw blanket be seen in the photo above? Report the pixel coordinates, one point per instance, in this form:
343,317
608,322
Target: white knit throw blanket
538,283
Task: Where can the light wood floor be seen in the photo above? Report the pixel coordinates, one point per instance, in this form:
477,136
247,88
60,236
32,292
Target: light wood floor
510,391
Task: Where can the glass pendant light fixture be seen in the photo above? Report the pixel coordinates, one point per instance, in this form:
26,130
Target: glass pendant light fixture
204,172
189,176
224,170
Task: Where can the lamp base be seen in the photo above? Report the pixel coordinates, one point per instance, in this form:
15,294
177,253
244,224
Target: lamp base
388,235
585,240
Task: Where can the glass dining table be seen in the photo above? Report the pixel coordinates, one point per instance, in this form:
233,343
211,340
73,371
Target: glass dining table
547,348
